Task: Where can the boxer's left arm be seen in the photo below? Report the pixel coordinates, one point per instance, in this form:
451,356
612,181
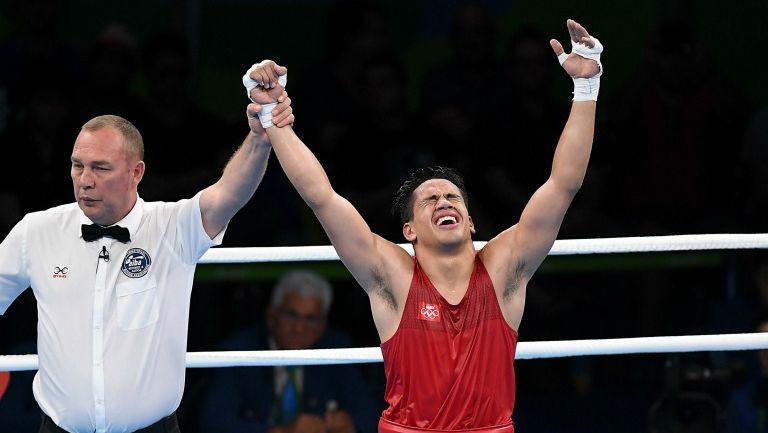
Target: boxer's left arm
541,218
527,243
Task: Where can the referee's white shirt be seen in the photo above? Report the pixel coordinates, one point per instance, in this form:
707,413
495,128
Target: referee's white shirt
111,335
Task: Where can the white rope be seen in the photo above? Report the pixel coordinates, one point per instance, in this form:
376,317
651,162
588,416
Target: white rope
529,350
561,247
525,350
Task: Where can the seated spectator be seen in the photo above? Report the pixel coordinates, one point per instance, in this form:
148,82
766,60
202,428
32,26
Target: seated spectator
291,399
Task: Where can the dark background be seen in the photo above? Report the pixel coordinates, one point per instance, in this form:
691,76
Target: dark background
680,147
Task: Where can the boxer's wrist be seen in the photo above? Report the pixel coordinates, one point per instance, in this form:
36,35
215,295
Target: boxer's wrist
265,115
586,89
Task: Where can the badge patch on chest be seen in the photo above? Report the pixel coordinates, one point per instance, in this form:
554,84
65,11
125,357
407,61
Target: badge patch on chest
429,312
60,272
136,263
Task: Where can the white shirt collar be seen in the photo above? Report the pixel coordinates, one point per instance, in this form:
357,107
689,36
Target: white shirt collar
130,221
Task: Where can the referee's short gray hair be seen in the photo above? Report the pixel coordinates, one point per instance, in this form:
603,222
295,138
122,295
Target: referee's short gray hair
131,135
305,283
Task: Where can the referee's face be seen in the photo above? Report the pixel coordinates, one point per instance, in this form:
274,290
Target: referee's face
105,175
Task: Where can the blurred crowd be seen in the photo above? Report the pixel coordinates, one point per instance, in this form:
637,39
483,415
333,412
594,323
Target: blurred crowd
681,147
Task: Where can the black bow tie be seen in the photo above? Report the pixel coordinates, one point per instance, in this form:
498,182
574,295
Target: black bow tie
91,232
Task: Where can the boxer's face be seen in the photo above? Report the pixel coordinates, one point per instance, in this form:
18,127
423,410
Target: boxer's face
440,214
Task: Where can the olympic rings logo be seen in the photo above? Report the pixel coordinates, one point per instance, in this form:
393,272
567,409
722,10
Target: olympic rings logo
429,312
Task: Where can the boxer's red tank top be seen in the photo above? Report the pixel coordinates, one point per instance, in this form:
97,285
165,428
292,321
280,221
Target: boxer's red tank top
450,367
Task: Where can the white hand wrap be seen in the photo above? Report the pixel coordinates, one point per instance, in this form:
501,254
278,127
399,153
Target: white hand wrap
265,115
586,89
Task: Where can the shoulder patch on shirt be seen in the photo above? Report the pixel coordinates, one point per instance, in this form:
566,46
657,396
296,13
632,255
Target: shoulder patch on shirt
429,312
136,263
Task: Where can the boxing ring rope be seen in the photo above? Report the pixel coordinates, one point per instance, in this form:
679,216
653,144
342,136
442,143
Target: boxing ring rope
728,241
525,350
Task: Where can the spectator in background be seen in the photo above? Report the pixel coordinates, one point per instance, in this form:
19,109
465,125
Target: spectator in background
739,379
355,31
290,399
761,394
754,160
526,110
356,59
382,119
454,120
747,402
35,114
40,133
35,119
176,124
678,167
112,64
38,44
